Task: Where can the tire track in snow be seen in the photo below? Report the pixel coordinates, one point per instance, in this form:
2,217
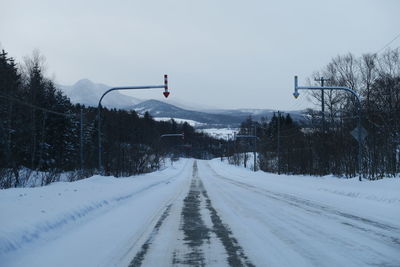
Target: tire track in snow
50,228
138,259
315,208
301,235
236,255
159,218
70,219
196,237
197,233
194,229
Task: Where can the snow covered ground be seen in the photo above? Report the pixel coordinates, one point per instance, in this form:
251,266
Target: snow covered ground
202,213
308,221
92,222
177,120
221,133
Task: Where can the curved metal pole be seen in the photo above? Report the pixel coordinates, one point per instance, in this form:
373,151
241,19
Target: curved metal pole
166,93
297,87
247,136
173,135
342,88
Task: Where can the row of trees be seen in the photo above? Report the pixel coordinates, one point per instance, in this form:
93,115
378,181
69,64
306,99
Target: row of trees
330,149
40,132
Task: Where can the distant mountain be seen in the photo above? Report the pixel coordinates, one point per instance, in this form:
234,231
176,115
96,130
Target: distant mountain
88,93
214,118
164,110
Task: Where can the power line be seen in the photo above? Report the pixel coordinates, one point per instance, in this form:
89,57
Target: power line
394,39
36,107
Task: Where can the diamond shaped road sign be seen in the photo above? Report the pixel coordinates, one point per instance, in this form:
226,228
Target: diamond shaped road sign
364,133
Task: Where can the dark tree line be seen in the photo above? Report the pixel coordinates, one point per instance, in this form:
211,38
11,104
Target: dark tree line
40,132
317,150
281,145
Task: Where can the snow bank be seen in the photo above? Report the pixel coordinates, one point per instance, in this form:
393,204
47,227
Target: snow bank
31,214
380,198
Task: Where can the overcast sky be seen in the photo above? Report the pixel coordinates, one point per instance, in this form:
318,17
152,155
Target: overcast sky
218,53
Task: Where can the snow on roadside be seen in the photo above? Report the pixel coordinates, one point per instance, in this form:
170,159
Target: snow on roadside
379,199
28,214
285,220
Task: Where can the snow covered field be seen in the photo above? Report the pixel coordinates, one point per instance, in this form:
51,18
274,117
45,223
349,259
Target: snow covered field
178,120
221,133
202,212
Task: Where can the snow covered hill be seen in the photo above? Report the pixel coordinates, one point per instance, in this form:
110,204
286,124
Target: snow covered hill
212,118
161,109
88,93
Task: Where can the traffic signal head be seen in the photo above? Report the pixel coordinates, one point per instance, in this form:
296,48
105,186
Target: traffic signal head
166,93
296,92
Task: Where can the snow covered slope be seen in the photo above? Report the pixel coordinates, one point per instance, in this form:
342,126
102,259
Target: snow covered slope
162,109
212,118
88,93
84,223
220,133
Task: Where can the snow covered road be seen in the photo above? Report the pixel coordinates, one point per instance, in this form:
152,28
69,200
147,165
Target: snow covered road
202,213
278,226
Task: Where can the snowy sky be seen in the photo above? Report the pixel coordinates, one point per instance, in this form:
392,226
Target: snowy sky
226,53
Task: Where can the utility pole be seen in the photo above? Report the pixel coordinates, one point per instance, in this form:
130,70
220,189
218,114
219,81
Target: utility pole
255,147
359,128
322,80
228,144
81,143
279,143
234,143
